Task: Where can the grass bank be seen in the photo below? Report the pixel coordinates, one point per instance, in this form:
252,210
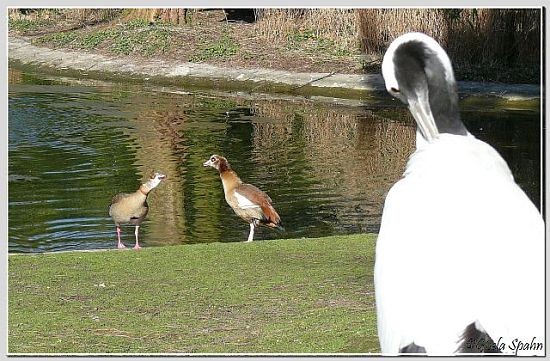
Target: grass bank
284,296
485,44
207,38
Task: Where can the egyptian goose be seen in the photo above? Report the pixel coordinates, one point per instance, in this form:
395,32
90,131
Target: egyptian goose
460,253
248,202
131,208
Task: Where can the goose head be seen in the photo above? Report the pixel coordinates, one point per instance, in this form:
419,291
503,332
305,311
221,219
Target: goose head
418,72
154,180
217,162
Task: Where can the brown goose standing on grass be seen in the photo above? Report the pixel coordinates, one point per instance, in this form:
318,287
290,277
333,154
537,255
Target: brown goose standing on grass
131,208
248,202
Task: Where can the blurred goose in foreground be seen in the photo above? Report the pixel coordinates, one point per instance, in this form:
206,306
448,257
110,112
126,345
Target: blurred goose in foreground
460,253
248,202
131,208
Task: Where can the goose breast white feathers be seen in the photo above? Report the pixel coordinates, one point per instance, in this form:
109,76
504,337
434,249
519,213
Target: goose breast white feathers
460,253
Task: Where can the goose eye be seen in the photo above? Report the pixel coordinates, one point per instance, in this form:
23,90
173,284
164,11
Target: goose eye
213,159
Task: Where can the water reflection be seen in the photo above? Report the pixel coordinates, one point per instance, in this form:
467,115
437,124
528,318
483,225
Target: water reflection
326,167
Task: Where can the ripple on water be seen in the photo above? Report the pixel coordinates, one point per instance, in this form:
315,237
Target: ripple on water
327,168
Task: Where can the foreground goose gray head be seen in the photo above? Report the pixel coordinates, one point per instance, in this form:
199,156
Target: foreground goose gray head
419,73
460,253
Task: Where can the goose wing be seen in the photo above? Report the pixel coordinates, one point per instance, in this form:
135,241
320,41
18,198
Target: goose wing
251,196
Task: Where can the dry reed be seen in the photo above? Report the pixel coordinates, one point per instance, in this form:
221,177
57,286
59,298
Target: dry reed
337,25
471,36
65,14
175,16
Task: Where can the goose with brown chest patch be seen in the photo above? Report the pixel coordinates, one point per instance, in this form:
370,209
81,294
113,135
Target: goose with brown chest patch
131,208
250,203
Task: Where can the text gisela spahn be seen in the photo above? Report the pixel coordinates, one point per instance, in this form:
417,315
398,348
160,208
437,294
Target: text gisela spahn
516,345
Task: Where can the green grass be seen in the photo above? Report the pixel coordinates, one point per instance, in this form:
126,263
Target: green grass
222,48
133,37
94,39
284,296
314,44
57,39
24,25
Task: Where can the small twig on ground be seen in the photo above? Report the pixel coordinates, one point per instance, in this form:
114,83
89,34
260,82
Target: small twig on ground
314,80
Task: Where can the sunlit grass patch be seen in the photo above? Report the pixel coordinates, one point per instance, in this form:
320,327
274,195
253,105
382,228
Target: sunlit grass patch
57,39
25,25
316,44
221,48
134,37
301,295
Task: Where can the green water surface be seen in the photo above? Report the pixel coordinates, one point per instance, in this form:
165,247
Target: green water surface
326,166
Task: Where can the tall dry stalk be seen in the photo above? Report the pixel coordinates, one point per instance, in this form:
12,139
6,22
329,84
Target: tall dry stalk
175,16
74,15
338,25
471,36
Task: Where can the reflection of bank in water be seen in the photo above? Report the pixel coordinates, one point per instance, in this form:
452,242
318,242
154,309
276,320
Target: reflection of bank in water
326,167
351,156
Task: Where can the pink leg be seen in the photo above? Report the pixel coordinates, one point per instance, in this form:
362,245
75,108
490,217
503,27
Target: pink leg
120,244
137,241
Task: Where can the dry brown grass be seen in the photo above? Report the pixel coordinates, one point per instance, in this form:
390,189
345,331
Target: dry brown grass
484,44
338,25
378,27
175,16
65,14
471,36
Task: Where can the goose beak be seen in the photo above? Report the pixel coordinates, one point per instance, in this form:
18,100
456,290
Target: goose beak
208,163
160,176
420,109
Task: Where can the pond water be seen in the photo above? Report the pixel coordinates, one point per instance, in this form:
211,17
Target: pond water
327,166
